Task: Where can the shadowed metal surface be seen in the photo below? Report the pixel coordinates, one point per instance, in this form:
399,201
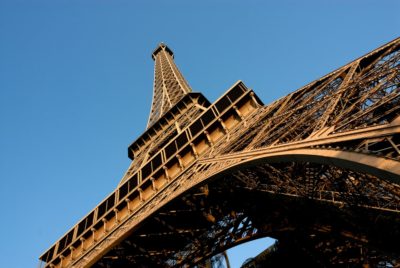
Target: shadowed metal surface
317,169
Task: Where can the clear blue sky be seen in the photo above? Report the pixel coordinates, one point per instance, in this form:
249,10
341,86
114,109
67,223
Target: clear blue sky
76,84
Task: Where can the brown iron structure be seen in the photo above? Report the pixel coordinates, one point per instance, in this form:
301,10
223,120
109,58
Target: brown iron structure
318,170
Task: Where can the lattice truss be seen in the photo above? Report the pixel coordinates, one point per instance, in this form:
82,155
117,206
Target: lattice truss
334,215
151,148
319,170
282,201
169,84
361,94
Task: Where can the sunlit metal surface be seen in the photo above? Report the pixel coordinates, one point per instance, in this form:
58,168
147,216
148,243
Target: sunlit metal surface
318,170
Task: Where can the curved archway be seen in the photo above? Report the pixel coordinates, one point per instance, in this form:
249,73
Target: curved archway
342,174
305,199
381,167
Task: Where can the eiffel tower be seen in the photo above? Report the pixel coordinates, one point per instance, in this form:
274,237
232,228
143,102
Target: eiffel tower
318,170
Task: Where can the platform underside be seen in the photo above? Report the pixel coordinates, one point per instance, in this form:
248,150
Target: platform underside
320,231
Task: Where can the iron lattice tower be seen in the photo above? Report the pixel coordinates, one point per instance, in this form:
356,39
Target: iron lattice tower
317,169
169,85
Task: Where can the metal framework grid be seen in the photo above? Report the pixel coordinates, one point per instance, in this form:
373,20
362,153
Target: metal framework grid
318,169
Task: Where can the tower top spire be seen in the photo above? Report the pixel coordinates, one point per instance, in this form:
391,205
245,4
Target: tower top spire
162,47
169,84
